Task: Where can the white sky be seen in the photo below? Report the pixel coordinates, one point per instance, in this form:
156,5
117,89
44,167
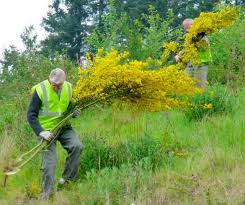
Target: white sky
15,15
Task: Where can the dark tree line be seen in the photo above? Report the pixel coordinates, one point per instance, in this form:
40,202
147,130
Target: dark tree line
69,22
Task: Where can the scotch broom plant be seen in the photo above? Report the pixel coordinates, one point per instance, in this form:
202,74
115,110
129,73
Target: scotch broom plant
207,23
113,76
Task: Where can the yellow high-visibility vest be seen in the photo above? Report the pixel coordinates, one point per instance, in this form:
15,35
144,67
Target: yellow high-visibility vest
205,55
52,107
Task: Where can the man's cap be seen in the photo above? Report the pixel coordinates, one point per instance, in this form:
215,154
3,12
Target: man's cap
57,76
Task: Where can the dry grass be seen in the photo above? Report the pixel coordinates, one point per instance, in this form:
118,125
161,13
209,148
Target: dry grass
216,188
7,145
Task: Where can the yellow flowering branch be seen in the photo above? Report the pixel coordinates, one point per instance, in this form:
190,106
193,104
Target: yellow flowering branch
112,75
205,24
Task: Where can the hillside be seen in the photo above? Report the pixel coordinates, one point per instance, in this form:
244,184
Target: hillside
190,154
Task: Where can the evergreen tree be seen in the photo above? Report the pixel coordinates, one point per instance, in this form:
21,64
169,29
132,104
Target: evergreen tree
68,23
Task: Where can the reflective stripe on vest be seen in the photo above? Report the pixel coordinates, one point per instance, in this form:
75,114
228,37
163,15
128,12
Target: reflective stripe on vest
45,101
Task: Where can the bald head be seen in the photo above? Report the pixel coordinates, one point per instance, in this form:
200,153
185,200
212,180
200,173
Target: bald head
57,76
187,24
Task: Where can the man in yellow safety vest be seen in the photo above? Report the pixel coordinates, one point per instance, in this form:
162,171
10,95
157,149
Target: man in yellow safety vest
50,99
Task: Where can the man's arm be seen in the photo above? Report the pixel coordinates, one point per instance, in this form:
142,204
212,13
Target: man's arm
32,113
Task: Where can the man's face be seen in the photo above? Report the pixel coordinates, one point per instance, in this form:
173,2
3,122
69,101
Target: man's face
56,87
186,25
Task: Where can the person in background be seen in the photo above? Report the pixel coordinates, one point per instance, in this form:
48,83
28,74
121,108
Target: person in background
86,61
50,99
198,72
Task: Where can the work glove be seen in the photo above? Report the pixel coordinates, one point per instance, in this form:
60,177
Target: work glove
47,135
177,58
76,112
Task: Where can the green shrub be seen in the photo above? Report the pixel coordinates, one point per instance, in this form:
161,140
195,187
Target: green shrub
215,100
153,151
228,54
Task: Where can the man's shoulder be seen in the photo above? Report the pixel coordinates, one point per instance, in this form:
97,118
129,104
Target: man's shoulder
40,83
34,88
205,38
68,83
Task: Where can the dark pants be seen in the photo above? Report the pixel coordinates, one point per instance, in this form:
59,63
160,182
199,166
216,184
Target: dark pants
70,142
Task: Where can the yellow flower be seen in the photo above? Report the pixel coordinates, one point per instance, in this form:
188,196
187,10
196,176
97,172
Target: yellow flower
208,106
211,93
169,48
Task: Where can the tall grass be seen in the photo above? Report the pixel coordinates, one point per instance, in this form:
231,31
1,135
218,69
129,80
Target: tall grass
149,158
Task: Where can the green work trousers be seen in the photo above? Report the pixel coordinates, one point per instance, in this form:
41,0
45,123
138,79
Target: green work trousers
70,142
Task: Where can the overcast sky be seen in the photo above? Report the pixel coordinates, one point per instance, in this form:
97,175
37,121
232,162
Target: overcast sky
15,15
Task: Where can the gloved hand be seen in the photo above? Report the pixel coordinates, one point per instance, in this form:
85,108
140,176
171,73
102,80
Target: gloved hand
47,135
76,112
177,58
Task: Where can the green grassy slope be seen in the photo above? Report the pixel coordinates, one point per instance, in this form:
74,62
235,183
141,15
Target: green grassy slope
148,158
